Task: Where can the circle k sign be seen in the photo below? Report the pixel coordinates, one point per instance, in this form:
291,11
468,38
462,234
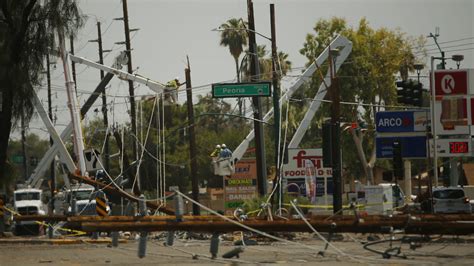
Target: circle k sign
451,82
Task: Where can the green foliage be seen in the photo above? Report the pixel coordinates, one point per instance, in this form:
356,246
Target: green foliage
27,31
35,149
367,76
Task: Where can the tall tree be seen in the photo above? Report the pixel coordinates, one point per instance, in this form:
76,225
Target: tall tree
234,35
26,35
368,80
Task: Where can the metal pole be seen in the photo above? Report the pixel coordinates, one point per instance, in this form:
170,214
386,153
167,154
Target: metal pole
72,104
257,104
192,140
433,125
104,100
407,180
130,87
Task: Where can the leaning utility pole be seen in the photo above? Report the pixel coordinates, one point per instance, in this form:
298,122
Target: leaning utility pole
276,104
130,85
51,142
104,99
257,106
336,134
192,140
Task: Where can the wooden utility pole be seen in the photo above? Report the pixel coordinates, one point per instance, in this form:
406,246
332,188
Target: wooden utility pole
192,140
73,64
104,100
336,134
276,103
50,113
23,148
258,126
130,85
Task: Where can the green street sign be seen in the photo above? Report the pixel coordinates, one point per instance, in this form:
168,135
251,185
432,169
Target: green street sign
17,159
230,90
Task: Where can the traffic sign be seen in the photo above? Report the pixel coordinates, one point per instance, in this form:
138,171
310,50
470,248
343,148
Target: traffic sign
401,121
231,90
412,146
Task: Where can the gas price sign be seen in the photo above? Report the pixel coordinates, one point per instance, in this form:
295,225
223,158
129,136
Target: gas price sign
459,147
453,147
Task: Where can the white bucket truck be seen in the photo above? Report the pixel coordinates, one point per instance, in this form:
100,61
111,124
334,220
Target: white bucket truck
27,201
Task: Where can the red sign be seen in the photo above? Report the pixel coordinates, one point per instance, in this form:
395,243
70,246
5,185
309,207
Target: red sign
451,82
458,147
472,111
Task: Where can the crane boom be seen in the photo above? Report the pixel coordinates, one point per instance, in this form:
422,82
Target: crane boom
339,41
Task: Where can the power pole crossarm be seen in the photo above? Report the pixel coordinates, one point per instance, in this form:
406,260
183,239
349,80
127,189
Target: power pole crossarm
153,85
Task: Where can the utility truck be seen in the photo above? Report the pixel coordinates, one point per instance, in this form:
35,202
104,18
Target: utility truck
383,198
27,201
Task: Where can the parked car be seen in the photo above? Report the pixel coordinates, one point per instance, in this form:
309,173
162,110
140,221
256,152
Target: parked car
450,200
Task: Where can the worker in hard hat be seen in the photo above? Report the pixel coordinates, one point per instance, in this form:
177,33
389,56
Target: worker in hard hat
225,152
171,90
216,151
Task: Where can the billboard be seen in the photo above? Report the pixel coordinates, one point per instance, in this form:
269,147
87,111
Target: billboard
241,185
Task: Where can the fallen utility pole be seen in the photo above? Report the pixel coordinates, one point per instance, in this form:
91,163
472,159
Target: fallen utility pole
407,225
460,218
108,188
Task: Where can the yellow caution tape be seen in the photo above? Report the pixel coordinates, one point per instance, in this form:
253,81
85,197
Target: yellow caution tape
76,232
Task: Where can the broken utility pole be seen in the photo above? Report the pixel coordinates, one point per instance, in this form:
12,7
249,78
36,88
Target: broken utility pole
192,140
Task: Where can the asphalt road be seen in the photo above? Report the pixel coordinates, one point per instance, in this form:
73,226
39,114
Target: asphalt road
303,251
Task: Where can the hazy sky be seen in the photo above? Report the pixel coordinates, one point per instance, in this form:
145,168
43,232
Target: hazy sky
172,29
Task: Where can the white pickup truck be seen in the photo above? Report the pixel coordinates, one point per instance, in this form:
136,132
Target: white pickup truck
27,201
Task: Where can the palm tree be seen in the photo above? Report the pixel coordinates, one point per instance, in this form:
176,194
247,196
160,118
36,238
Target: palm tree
284,64
26,36
234,35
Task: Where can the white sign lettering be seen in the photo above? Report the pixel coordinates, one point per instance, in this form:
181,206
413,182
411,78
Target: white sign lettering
447,84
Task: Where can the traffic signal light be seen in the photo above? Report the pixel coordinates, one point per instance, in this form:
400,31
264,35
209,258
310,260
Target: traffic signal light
402,93
410,92
397,160
417,94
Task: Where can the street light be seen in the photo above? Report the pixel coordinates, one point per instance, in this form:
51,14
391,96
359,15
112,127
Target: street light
457,58
418,68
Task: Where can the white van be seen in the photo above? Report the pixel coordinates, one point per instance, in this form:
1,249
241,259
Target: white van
450,200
